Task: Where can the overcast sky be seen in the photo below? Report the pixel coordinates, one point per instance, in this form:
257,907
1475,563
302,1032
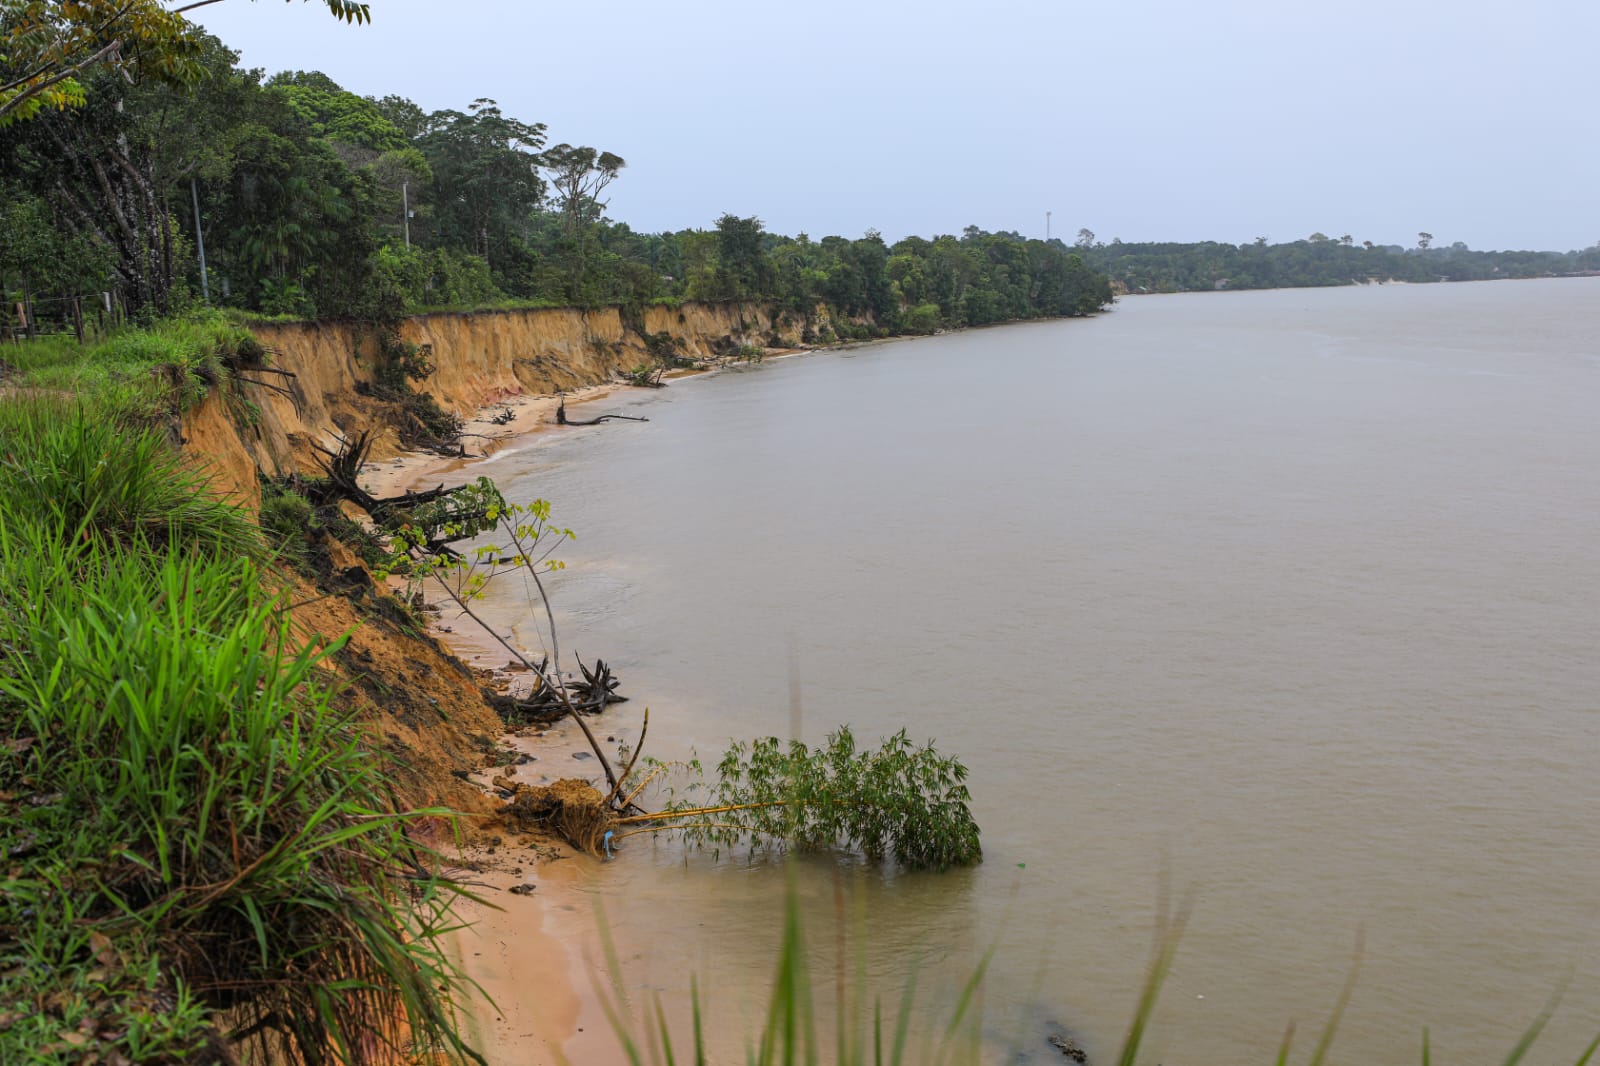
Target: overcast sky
1475,120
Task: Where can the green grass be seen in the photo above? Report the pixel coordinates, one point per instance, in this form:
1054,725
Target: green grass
137,372
510,303
70,463
201,845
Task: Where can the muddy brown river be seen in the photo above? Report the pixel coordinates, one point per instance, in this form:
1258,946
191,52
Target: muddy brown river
1286,600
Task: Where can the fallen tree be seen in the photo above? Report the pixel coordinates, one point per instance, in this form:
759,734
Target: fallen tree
898,801
563,420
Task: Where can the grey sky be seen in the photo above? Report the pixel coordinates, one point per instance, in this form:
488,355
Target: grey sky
1155,120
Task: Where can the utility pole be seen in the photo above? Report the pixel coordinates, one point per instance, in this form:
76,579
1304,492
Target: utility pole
405,211
200,242
1047,226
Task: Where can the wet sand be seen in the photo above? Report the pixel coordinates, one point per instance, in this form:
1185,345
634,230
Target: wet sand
537,954
531,416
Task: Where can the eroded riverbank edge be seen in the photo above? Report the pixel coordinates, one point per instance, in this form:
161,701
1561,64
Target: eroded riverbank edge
536,952
446,750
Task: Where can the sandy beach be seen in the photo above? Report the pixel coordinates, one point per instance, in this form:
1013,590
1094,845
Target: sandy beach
530,416
535,952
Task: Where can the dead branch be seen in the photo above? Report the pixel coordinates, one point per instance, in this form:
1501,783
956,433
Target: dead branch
627,771
563,420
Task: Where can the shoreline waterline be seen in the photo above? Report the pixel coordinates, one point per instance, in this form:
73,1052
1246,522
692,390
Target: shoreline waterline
536,954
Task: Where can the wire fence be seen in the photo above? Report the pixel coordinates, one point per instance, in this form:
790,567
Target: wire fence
82,315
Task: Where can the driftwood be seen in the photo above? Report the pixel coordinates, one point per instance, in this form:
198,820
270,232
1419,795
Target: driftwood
545,705
563,420
343,468
597,688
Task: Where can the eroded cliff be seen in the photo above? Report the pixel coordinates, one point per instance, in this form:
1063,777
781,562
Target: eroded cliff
427,707
478,358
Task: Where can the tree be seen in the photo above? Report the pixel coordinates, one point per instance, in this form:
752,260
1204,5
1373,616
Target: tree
337,115
1085,238
40,256
579,176
46,46
1424,240
746,270
410,119
486,175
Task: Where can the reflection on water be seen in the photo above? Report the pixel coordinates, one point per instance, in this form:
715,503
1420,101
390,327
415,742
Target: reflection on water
1292,594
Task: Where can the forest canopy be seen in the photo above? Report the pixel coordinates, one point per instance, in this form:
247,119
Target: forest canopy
1158,266
315,201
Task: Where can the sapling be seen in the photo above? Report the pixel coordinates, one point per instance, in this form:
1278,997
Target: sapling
899,801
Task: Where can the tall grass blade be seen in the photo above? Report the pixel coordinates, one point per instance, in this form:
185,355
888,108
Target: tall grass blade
970,993
1532,1033
614,1001
1288,1039
1169,931
1328,1031
902,1024
699,1028
666,1037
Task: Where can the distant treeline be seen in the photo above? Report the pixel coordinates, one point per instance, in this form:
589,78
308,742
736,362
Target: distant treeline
1317,260
314,201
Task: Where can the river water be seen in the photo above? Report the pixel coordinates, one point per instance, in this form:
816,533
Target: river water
1285,601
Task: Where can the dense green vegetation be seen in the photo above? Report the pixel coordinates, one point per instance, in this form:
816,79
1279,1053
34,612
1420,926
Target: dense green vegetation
1317,260
201,848
313,201
897,800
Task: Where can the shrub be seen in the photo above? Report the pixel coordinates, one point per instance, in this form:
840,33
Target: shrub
286,517
423,421
923,318
898,801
